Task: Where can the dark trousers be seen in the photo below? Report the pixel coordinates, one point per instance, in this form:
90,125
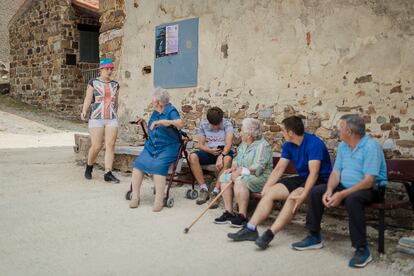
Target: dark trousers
355,206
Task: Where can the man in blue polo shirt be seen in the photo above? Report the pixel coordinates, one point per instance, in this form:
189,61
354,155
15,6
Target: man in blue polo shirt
311,159
359,168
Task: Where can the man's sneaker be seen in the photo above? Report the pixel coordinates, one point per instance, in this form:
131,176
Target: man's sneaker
109,177
244,234
203,197
264,240
224,218
310,242
216,204
361,257
238,220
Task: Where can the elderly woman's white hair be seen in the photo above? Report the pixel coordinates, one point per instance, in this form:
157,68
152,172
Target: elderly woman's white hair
161,95
252,127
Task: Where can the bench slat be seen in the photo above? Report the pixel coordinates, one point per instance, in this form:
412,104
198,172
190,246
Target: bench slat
400,170
390,205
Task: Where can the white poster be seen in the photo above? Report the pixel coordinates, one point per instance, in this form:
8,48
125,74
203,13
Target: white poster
171,40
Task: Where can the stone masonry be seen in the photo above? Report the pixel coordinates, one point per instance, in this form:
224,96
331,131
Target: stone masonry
269,59
8,9
111,33
40,37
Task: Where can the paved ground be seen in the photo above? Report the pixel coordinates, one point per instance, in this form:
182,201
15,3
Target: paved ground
54,222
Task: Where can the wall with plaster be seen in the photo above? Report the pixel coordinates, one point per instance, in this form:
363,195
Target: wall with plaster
269,59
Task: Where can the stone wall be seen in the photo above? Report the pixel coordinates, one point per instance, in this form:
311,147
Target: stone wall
8,9
270,59
111,33
72,81
40,38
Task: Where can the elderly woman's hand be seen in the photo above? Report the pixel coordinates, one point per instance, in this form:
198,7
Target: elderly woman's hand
157,123
235,174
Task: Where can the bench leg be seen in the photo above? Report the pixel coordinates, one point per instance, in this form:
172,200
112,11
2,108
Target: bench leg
410,192
381,230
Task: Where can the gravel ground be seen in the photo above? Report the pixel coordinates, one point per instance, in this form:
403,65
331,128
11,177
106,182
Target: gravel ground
54,222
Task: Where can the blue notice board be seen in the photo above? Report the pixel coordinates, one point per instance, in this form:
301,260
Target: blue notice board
178,67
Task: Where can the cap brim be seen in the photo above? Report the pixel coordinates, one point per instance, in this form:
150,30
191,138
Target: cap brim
106,66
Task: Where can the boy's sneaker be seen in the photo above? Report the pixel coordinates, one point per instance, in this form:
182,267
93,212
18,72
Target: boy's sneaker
310,242
361,257
264,240
238,220
109,177
244,234
203,197
88,171
224,218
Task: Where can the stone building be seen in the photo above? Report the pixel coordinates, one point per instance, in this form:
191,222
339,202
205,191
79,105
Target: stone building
52,42
272,58
8,9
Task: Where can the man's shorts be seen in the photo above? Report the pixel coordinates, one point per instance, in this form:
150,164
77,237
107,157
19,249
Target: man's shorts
294,182
206,158
99,123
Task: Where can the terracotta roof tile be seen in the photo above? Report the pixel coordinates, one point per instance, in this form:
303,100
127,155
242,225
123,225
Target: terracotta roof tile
92,5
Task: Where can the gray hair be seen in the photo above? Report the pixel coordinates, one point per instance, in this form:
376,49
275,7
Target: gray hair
161,95
355,123
253,127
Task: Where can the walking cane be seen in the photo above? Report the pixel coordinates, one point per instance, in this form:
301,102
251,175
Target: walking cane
208,207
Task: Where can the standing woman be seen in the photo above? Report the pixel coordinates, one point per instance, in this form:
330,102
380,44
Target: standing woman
102,97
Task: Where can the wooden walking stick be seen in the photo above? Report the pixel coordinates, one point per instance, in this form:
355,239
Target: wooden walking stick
208,207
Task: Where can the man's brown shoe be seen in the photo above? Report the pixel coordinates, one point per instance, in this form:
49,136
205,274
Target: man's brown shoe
215,204
203,197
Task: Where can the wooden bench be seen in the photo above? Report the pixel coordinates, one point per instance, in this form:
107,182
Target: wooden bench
398,171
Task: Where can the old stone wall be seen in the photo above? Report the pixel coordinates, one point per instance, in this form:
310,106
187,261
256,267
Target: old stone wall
111,33
40,38
8,9
73,91
35,54
270,59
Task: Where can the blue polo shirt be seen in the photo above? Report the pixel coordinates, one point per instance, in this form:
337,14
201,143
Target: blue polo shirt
311,148
367,158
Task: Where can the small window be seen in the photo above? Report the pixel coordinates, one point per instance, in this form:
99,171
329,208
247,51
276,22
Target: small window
70,59
88,43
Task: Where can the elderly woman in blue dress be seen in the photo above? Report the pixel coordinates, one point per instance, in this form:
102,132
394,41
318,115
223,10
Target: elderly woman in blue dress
160,150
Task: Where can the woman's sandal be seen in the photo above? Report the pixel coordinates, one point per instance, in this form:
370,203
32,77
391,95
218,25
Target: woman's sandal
134,203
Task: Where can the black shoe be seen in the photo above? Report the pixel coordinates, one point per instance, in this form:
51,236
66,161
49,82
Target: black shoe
88,171
224,218
238,220
109,177
244,234
264,240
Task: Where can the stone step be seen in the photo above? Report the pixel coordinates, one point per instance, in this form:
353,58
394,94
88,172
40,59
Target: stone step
124,155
